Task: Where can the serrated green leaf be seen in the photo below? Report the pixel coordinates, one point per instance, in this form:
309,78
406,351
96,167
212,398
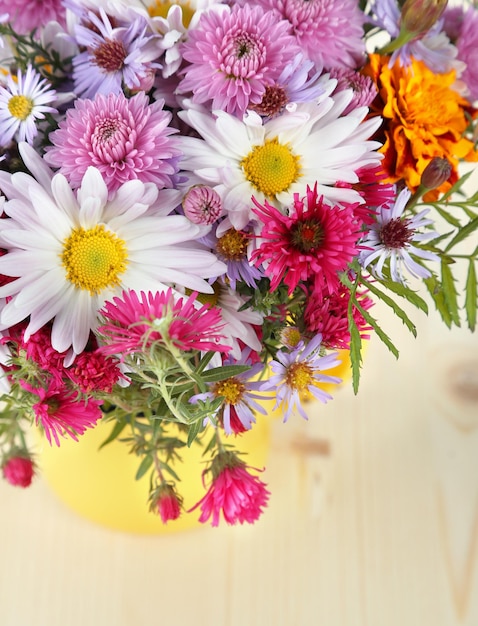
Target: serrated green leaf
381,334
436,292
451,219
463,233
355,354
407,293
399,312
449,292
144,466
471,296
457,186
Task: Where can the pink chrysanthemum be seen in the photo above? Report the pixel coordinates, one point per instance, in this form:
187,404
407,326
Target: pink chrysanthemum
327,314
93,371
467,44
25,15
133,324
234,55
314,242
363,87
330,32
124,138
234,491
62,413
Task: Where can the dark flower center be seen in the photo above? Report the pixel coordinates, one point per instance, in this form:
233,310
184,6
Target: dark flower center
307,235
396,233
273,101
110,55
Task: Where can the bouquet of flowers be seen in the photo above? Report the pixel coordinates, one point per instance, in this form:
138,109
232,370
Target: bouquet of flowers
201,203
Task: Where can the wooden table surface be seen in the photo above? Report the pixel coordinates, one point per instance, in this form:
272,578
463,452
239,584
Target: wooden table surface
373,519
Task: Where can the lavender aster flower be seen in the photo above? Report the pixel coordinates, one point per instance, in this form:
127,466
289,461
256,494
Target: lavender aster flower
467,44
298,373
113,56
391,238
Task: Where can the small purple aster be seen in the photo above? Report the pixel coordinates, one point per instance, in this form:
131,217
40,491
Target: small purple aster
391,238
330,32
114,56
234,55
298,373
124,138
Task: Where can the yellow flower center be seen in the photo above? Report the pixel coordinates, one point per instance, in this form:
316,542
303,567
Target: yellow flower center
94,259
231,389
209,298
20,107
271,168
160,8
299,376
232,245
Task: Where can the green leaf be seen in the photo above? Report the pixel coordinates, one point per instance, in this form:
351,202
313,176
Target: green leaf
451,219
381,334
355,353
194,430
449,292
457,186
471,296
222,373
463,233
144,466
436,292
114,434
407,293
399,312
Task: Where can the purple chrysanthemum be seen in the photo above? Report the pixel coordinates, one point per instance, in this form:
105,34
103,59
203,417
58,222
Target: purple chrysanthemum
234,55
124,138
25,15
467,44
114,56
329,31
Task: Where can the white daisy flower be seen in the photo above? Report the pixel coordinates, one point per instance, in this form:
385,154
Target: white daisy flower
391,238
24,100
73,251
274,159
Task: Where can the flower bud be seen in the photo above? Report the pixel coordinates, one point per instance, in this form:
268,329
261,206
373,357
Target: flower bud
18,471
166,502
436,173
418,16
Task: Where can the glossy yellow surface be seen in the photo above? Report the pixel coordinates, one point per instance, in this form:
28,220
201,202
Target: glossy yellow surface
100,484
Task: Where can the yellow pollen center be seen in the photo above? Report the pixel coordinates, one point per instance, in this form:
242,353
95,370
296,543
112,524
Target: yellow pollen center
94,259
160,8
20,107
231,389
232,245
209,298
271,168
299,376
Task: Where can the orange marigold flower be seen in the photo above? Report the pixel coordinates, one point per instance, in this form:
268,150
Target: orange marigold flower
423,118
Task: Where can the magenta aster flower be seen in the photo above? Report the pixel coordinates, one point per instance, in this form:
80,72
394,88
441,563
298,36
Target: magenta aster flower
25,15
166,502
113,56
234,491
234,55
315,242
18,471
330,32
124,138
61,413
94,371
327,314
132,323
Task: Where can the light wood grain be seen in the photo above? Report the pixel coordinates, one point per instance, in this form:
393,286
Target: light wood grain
373,519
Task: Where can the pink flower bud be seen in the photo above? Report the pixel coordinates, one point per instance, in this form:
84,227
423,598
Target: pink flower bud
202,205
436,173
166,502
19,471
418,16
